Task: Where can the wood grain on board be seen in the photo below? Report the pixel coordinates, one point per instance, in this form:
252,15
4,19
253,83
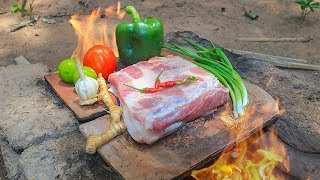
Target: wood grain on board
68,95
192,146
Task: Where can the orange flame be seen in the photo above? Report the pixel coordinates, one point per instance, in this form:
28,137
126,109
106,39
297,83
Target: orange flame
253,158
92,30
120,13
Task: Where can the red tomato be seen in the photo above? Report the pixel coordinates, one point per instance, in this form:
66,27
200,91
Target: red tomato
101,59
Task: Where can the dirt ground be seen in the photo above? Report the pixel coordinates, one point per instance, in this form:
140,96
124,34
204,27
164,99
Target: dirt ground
50,43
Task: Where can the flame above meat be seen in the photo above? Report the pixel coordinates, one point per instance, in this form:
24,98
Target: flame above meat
253,158
92,30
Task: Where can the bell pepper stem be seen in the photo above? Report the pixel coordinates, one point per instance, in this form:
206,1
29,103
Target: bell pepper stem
131,10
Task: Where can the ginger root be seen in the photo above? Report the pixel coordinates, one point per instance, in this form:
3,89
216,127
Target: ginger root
117,126
89,101
94,142
103,95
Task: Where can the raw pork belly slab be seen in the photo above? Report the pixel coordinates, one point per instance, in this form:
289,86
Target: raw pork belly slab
151,116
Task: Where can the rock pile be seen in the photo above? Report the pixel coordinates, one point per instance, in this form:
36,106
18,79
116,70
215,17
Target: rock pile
39,136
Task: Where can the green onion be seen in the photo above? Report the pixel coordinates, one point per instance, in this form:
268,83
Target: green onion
217,63
225,83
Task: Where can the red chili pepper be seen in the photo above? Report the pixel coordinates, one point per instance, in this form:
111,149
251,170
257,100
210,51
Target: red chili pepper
144,90
164,84
151,90
157,82
168,84
174,83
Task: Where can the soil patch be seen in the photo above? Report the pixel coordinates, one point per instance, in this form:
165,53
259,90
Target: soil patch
50,43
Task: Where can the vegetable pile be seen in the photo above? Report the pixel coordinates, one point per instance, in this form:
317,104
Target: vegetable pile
216,62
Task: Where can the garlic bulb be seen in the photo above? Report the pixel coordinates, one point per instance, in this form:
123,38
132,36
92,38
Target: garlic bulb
86,87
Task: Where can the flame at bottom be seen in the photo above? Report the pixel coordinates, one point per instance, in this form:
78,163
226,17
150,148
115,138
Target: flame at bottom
253,158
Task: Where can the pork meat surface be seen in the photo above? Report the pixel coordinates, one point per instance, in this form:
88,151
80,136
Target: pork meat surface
151,116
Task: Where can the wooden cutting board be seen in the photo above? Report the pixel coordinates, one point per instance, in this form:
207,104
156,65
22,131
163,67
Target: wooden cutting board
192,146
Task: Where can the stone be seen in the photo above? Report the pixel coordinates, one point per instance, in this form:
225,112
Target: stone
21,60
300,124
11,161
38,134
30,112
63,158
48,21
301,165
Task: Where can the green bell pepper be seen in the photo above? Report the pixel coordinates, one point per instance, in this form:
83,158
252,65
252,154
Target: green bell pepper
139,40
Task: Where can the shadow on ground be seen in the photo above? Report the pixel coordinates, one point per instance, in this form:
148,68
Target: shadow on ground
3,173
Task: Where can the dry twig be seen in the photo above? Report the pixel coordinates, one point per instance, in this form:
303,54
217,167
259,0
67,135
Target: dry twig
278,60
300,39
266,57
294,65
24,24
